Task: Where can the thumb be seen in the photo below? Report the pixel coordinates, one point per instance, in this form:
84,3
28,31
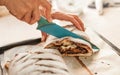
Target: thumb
44,36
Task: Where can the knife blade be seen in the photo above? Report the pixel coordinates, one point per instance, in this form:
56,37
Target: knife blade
115,48
58,31
26,42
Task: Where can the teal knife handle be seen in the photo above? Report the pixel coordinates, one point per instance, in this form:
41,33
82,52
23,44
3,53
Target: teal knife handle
42,22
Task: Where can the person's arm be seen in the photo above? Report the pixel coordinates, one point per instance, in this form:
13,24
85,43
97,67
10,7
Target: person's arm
28,10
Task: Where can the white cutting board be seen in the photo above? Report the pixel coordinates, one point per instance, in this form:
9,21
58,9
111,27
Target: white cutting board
13,30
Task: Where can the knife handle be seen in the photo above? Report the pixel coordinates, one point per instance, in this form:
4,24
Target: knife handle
42,22
26,42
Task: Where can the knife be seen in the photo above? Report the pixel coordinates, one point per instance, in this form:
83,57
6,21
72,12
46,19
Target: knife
115,48
26,42
58,31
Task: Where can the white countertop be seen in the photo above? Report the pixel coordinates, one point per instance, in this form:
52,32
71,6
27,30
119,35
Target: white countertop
13,30
108,24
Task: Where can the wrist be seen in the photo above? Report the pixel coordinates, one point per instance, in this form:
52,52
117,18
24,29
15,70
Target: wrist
3,2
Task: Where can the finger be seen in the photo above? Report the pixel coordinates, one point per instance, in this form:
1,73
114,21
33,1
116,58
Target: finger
42,11
35,16
47,6
27,17
66,17
81,25
60,16
76,24
44,36
75,20
18,16
48,15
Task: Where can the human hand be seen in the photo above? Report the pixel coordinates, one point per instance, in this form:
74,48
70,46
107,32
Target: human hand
29,10
67,17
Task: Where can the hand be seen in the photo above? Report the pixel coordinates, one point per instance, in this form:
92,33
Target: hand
67,17
29,10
